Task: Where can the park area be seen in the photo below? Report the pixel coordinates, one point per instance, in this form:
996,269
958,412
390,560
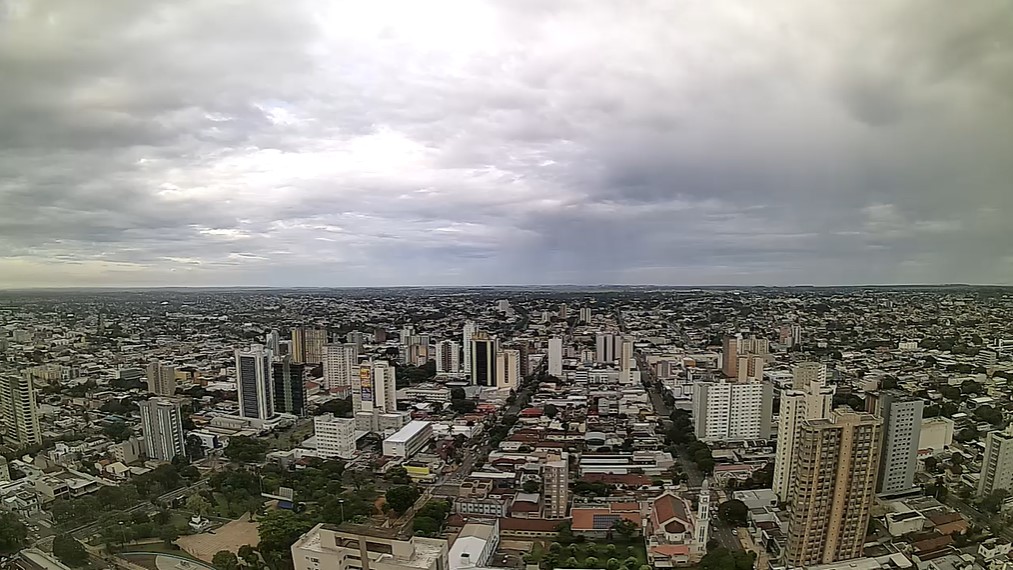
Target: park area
614,555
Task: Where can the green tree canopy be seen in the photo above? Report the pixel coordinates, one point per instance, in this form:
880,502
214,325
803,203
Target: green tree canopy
13,533
225,560
69,551
733,512
401,497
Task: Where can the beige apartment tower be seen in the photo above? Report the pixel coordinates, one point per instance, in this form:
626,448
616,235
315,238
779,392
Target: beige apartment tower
161,379
833,487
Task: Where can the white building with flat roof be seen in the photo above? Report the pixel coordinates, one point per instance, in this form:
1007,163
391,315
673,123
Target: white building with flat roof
335,437
474,546
409,440
324,548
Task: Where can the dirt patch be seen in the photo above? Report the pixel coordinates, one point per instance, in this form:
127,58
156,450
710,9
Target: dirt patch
228,537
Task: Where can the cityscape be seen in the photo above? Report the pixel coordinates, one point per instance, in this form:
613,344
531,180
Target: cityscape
624,427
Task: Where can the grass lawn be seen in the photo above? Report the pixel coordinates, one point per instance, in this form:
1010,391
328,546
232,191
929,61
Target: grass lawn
602,551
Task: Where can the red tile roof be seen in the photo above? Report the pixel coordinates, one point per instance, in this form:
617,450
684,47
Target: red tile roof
530,525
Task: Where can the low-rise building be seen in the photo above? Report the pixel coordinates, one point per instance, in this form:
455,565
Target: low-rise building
409,440
327,548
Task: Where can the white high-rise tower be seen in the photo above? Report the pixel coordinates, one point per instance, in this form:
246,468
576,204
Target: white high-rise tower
469,331
340,364
808,399
556,357
19,410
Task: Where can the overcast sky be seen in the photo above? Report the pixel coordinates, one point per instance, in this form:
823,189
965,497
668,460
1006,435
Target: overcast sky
297,143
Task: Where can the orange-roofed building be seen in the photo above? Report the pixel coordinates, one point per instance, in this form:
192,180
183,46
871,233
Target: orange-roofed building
676,535
597,522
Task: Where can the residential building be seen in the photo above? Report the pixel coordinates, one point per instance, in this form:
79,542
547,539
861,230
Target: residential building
997,462
474,546
335,437
161,379
326,548
469,330
483,359
556,485
556,357
606,347
377,390
255,390
273,342
19,410
508,369
902,421
409,440
308,345
626,361
732,411
585,314
448,357
936,434
162,426
808,398
832,487
289,386
340,365
730,357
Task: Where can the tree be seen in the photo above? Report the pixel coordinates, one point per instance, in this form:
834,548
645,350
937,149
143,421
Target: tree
931,463
249,555
278,531
733,512
246,449
994,500
13,533
457,394
888,383
402,497
463,406
531,486
118,431
341,408
967,434
564,532
225,560
612,564
398,475
69,551
194,448
550,411
198,505
168,534
591,562
571,562
724,559
425,526
625,528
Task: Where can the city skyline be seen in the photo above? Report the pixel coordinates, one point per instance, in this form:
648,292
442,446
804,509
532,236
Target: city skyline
448,143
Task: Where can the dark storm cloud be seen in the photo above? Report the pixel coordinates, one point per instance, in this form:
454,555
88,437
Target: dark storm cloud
347,143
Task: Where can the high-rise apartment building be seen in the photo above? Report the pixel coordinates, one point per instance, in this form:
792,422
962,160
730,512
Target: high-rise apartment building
483,359
732,411
469,331
162,424
335,437
308,345
902,422
254,387
607,347
734,349
626,355
161,379
340,365
289,386
448,357
508,368
832,488
19,410
585,314
564,312
730,357
556,485
808,398
377,389
556,357
997,462
273,342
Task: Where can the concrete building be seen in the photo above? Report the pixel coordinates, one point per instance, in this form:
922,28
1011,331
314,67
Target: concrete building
340,365
255,390
161,379
162,426
808,398
585,314
409,440
902,422
273,342
732,411
377,389
606,347
997,462
626,360
730,357
469,330
19,410
832,487
474,546
335,437
289,386
556,357
483,359
508,369
936,434
308,345
326,548
556,485
448,357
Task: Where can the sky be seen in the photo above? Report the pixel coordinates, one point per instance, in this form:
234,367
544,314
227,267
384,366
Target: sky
381,143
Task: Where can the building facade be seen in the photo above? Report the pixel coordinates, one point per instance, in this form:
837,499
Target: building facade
448,357
997,463
469,331
832,488
335,436
483,359
162,424
377,388
19,409
340,365
808,398
556,485
556,357
326,548
902,421
255,390
508,369
732,411
289,386
161,379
